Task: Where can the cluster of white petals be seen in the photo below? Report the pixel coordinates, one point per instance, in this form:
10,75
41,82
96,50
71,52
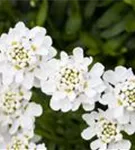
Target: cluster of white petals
73,81
106,130
20,141
23,51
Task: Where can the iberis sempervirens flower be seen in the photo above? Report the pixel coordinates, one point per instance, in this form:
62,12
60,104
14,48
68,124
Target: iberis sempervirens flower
21,141
16,110
106,131
70,82
120,96
22,52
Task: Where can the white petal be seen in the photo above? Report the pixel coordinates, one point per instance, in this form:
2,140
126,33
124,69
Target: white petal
121,73
14,127
64,56
95,82
48,87
76,104
47,42
118,112
52,52
97,70
19,77
58,95
8,75
78,54
28,80
42,51
129,129
55,105
33,109
27,94
66,105
122,145
41,147
90,118
90,93
36,30
36,83
110,77
88,133
87,61
108,99
132,118
97,144
124,119
40,74
26,122
88,107
71,96
20,25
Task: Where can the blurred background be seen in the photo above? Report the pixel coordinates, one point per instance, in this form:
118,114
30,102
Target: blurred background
104,28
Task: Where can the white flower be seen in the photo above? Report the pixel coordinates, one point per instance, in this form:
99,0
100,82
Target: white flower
107,132
120,95
21,141
70,83
22,52
26,121
16,110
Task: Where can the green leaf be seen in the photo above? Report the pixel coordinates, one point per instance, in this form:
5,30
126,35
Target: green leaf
117,28
74,20
104,3
130,23
73,24
112,15
89,40
42,13
111,46
90,8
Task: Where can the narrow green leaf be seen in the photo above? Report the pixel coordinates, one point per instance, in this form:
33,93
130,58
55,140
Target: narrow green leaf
90,8
73,24
111,46
112,15
117,28
130,23
42,13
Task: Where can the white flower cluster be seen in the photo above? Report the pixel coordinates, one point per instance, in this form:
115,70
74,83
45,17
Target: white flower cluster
27,60
108,126
22,53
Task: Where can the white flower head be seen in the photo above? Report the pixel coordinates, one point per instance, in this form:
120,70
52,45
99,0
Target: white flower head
120,95
70,83
16,110
13,98
21,141
107,132
23,51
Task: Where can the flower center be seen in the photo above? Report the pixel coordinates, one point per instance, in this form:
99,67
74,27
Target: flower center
18,144
108,131
69,79
19,56
11,102
125,93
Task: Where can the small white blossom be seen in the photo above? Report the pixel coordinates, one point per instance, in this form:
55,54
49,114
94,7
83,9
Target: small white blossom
70,82
22,52
120,95
16,110
21,141
106,130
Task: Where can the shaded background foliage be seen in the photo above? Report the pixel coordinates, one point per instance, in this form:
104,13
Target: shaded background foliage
106,31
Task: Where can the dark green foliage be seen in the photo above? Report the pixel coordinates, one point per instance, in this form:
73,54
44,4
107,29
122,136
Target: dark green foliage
104,28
